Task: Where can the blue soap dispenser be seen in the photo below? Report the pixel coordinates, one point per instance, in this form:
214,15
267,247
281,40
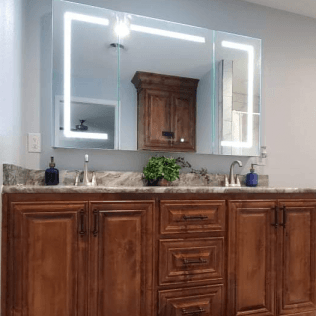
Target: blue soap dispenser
51,174
252,177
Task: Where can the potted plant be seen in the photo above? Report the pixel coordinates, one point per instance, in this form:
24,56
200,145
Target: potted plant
159,168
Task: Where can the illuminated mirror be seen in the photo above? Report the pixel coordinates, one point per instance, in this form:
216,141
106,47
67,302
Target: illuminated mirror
237,69
96,53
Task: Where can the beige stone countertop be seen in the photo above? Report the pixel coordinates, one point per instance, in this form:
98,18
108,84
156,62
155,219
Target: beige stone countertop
148,189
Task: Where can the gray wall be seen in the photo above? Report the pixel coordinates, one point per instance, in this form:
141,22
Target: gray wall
10,81
11,21
288,92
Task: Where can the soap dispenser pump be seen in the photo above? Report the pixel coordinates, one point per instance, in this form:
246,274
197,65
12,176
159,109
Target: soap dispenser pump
252,177
51,174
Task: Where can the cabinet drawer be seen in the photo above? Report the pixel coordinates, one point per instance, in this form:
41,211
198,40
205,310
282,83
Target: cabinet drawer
202,301
191,216
183,261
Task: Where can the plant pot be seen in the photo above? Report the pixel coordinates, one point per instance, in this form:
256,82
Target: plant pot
164,183
153,182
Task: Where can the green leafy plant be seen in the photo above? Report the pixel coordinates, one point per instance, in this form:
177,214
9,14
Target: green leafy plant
161,168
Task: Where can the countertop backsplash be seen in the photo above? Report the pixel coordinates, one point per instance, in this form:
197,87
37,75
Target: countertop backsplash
13,175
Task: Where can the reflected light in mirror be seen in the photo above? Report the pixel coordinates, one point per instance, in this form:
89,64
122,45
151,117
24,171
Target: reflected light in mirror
121,29
154,31
250,50
68,18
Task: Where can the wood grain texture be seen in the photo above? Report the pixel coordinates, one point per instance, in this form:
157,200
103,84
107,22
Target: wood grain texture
158,118
296,279
121,259
183,107
261,260
251,253
206,301
165,104
49,259
6,258
192,216
191,260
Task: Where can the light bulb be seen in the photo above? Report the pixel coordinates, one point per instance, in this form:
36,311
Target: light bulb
121,29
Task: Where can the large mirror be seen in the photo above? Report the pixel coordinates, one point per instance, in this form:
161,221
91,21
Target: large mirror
97,52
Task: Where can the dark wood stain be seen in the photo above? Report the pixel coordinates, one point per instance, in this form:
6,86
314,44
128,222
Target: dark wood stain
165,104
147,254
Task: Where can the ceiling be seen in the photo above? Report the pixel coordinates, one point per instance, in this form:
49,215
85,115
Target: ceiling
302,7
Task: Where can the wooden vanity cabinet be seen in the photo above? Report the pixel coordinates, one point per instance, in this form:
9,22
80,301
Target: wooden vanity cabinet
78,259
158,254
48,262
166,108
271,258
121,258
191,243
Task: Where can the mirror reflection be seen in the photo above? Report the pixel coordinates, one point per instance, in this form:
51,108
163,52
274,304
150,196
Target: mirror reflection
190,95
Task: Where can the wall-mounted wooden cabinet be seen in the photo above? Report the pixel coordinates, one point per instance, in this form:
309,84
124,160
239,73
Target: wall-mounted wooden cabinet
166,112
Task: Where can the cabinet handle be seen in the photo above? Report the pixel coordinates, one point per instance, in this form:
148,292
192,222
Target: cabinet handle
198,311
96,222
168,134
276,217
82,230
284,217
193,261
192,218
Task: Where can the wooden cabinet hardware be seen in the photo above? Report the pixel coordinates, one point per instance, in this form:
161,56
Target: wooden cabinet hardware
276,217
284,217
96,223
193,218
82,228
197,311
193,261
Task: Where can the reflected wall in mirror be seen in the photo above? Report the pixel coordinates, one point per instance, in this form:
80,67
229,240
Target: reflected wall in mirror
96,53
237,101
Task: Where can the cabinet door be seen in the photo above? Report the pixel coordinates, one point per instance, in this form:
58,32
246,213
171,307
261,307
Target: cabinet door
296,262
183,107
121,259
251,252
158,119
49,253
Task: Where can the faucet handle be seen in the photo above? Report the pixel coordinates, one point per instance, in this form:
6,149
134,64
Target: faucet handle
77,178
94,179
237,181
226,183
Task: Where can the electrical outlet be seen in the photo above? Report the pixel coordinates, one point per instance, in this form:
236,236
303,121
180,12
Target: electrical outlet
34,142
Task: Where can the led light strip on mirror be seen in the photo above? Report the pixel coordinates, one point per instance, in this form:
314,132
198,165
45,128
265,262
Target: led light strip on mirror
68,18
250,50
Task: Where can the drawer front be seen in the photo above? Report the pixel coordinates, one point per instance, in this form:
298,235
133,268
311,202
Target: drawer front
199,301
191,216
183,261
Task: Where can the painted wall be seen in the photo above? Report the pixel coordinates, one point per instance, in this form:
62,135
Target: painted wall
288,92
11,21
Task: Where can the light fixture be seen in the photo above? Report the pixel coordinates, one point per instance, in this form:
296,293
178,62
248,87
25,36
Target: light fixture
250,50
154,31
121,29
68,18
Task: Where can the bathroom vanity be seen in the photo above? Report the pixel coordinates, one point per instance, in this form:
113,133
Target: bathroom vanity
158,251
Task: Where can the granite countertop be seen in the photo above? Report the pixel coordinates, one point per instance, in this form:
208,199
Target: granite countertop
128,189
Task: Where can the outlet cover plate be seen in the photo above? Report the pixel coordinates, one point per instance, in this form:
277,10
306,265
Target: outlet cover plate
34,142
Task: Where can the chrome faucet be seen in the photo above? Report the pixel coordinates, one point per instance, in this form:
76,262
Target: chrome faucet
85,173
233,181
